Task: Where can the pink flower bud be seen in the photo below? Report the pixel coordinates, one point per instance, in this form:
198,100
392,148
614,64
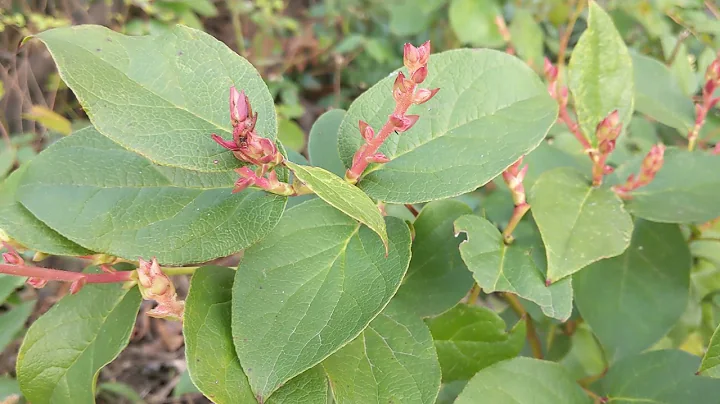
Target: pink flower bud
424,95
241,184
609,128
366,131
712,74
37,283
239,106
414,58
224,143
77,285
653,161
401,86
378,158
551,71
13,258
403,123
155,285
420,75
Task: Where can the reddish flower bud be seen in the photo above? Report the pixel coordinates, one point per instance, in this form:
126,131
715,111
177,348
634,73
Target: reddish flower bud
37,283
241,184
366,131
424,95
378,158
420,75
239,106
551,71
403,123
224,143
155,285
607,132
653,161
414,58
77,285
712,74
13,258
401,86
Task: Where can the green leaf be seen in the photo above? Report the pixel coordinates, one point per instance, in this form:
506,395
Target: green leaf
549,156
179,216
662,377
585,357
393,360
527,38
474,22
710,365
685,190
185,385
7,160
20,225
8,387
343,196
323,143
464,137
470,338
13,321
213,365
518,268
121,390
410,17
291,135
601,73
523,381
659,96
168,120
8,284
310,287
64,350
437,278
297,158
634,299
681,66
585,225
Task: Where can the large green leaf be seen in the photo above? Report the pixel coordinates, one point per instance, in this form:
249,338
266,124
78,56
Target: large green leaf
297,158
323,143
437,278
469,338
632,300
658,94
474,22
310,287
601,73
20,225
464,137
84,188
518,268
393,360
579,224
64,350
343,196
523,381
685,190
8,284
212,362
710,365
659,377
11,322
160,95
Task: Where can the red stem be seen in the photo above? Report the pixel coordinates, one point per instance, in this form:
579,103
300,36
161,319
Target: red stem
573,126
369,149
63,276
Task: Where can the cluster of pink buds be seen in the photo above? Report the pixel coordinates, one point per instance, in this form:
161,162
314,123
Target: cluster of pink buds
405,91
606,133
155,285
707,102
250,148
513,177
651,164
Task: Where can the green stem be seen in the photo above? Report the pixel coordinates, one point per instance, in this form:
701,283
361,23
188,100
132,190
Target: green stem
532,337
474,294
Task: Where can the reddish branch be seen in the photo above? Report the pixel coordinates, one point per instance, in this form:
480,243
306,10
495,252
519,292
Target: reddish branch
63,276
514,177
707,102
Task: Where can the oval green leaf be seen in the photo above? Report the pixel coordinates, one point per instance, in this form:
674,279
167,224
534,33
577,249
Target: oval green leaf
470,338
64,350
710,365
213,365
309,288
112,200
523,381
464,137
619,297
437,278
323,143
601,73
393,360
518,268
585,225
160,95
343,196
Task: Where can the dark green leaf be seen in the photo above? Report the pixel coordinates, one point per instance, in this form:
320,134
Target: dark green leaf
710,365
8,284
464,137
469,338
64,350
185,385
633,300
343,196
114,201
601,73
437,278
518,268
323,143
161,95
297,158
310,287
12,322
579,224
523,381
393,360
291,135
